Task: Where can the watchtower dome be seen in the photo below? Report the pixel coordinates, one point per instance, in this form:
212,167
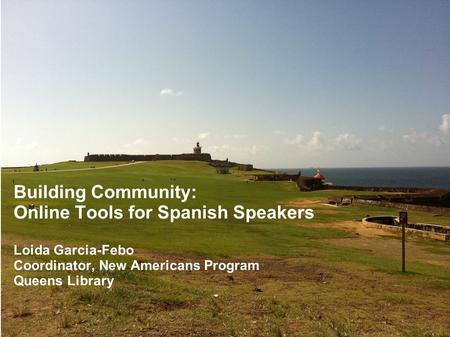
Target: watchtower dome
198,149
319,175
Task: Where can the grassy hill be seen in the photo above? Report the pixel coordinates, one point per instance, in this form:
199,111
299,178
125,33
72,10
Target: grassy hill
325,277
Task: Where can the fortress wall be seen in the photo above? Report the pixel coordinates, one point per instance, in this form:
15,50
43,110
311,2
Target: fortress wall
147,157
222,163
245,167
306,183
403,206
436,232
379,188
275,177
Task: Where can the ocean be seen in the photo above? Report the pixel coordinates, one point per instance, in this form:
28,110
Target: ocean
433,177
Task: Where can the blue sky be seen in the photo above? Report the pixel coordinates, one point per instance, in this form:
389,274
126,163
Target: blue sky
277,84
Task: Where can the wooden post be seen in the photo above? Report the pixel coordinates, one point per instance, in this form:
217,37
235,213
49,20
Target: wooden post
403,218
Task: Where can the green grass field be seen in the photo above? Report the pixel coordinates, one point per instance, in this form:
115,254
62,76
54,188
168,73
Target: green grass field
324,277
65,165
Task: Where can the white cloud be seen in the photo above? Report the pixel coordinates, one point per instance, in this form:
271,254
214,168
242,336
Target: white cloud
414,137
383,128
12,154
24,152
236,153
170,92
203,135
139,141
237,136
297,140
219,148
319,142
136,145
21,146
316,141
254,150
277,132
445,124
348,141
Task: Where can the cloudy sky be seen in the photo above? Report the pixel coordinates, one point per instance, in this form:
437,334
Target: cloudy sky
278,84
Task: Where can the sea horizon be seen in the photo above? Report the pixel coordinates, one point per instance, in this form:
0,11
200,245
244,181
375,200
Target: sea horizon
350,167
413,177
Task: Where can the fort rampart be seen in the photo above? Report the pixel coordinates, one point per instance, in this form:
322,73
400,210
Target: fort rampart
390,223
274,177
378,188
403,206
147,157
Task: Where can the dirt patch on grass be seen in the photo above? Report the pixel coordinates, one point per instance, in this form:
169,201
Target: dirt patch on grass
392,249
379,242
354,227
303,203
288,296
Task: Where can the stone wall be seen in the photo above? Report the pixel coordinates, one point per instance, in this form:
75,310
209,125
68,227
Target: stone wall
222,163
305,183
422,199
245,167
403,206
390,223
274,177
378,188
147,157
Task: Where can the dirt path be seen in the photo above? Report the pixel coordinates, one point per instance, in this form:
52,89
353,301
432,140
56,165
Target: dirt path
80,169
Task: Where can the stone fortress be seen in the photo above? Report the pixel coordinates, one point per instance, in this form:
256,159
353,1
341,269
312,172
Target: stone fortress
436,201
422,199
196,155
222,166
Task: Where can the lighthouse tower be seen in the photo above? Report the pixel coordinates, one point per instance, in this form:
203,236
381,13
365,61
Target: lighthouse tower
198,149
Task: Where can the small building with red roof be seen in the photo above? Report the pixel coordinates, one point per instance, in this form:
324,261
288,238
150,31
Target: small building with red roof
318,175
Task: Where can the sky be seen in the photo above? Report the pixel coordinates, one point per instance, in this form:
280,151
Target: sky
273,83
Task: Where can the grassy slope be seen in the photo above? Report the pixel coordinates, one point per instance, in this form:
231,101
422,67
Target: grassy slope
299,244
64,165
